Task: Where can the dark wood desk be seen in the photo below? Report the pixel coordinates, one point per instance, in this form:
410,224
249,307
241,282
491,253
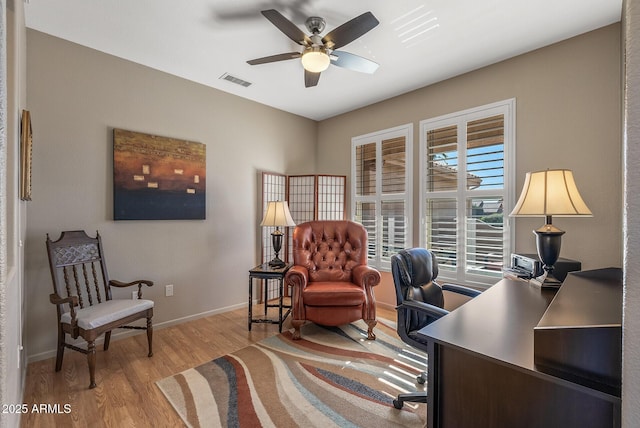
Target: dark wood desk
482,371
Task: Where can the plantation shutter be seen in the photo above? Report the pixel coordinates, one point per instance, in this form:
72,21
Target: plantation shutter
381,191
365,191
464,192
485,214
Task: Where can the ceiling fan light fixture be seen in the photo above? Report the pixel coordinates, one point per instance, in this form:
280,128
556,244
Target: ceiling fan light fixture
318,52
315,60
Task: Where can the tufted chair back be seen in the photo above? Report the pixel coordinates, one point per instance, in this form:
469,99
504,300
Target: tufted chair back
414,274
330,250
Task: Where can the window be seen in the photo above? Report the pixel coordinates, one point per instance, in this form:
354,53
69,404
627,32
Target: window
381,171
466,191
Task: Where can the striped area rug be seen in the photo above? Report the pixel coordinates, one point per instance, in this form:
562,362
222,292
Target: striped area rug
332,377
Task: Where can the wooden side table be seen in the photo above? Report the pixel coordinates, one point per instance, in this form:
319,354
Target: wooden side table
266,272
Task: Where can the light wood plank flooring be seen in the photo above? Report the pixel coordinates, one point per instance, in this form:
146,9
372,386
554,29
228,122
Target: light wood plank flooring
126,395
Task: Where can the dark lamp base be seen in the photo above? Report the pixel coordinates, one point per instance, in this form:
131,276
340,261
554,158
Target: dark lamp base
277,263
276,237
548,242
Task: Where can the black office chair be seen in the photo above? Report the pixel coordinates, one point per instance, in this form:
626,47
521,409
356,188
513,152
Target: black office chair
420,301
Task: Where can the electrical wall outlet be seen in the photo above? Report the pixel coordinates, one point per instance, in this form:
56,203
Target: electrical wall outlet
168,290
134,295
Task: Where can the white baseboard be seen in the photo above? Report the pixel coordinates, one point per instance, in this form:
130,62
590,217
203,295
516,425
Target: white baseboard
386,306
121,334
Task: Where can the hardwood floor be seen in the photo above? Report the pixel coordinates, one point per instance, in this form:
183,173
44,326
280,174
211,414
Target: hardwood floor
126,395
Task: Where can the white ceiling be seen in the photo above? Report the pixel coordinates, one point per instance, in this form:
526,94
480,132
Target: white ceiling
417,43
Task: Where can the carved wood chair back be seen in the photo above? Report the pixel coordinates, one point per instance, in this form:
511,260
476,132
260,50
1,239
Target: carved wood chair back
78,268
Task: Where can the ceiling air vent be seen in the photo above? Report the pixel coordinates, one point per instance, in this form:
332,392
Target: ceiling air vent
236,80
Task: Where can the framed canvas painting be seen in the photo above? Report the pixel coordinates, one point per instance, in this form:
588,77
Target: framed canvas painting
26,143
157,178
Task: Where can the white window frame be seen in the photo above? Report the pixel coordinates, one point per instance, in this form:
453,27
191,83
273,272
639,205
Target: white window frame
406,131
508,109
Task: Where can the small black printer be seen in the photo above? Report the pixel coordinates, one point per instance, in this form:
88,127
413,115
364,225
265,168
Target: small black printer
529,266
524,266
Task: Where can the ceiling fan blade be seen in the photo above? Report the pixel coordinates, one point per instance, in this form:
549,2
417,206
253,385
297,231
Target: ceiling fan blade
353,62
350,30
310,79
274,58
287,27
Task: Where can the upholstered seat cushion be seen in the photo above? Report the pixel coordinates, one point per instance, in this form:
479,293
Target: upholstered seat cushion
106,312
326,294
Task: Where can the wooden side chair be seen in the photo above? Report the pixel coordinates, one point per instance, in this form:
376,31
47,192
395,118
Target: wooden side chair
82,295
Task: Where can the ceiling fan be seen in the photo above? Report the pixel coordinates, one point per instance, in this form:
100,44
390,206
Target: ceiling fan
318,52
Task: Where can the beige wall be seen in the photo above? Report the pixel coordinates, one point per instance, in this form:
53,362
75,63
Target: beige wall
568,116
631,320
76,96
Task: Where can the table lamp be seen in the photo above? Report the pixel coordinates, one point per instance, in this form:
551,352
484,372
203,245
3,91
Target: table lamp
549,193
277,215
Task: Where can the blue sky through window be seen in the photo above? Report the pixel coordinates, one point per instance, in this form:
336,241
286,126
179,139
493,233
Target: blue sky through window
485,162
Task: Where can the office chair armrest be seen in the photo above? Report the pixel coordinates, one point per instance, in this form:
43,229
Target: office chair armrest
425,308
460,289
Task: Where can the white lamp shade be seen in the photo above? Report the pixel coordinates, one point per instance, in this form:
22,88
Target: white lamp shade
552,192
315,61
277,215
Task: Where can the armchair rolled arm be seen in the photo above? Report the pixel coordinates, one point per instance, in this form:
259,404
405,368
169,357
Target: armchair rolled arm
297,277
460,289
138,282
365,276
424,308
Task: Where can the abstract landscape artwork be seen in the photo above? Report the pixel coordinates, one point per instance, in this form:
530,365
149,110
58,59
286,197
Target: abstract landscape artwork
157,178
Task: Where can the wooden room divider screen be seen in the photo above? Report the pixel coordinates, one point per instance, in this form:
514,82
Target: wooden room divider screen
310,197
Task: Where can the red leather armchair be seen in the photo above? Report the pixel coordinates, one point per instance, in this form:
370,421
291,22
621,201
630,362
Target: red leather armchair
331,282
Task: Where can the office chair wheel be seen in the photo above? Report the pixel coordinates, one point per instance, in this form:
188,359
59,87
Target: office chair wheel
398,404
